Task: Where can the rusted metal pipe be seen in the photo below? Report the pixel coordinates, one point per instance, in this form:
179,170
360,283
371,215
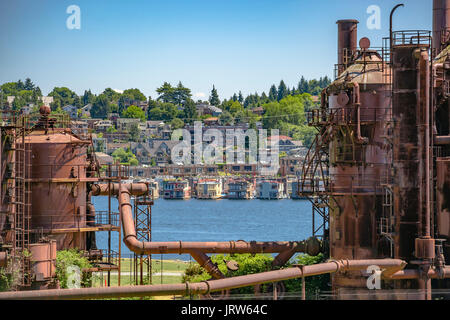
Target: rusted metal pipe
180,247
391,17
357,105
415,274
205,262
135,189
347,42
204,287
424,107
442,140
282,258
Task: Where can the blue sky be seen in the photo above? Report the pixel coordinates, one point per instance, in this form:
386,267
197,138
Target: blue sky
234,44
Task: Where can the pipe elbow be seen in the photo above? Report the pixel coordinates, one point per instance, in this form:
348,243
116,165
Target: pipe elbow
133,244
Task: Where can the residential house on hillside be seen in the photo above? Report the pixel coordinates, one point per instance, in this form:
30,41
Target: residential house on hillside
85,112
71,110
157,152
111,147
100,143
125,124
258,111
102,125
104,159
79,127
206,109
285,144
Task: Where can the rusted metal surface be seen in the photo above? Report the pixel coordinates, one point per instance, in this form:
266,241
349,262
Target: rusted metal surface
3,259
441,23
43,260
207,287
59,205
347,42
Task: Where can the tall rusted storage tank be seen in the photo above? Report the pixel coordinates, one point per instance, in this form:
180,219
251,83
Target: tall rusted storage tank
358,104
412,153
59,162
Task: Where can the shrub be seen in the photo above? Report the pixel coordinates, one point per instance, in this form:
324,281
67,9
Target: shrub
71,258
250,264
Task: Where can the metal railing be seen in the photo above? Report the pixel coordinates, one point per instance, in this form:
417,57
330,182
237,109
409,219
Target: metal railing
411,37
347,115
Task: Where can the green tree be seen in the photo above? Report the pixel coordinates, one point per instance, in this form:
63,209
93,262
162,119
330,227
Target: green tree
282,91
62,96
176,124
100,107
166,93
273,93
88,97
125,157
164,111
135,132
181,94
214,97
135,94
240,97
111,95
134,112
190,111
226,118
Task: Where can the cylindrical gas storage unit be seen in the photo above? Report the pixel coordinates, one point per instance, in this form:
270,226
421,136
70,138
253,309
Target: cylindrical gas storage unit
58,177
43,260
359,114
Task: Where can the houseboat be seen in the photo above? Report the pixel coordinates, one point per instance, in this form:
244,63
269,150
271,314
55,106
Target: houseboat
240,190
270,190
176,189
209,189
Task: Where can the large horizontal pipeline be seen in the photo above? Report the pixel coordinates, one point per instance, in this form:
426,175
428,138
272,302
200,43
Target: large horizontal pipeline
205,287
441,140
124,192
415,274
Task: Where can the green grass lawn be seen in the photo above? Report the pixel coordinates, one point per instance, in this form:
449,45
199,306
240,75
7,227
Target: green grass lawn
127,267
167,265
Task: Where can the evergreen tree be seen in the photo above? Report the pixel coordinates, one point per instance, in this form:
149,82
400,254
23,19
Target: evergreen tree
190,111
28,84
273,93
264,98
282,91
166,92
240,97
303,86
235,97
214,97
181,94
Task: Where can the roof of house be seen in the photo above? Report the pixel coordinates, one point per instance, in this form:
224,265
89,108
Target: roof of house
103,158
279,138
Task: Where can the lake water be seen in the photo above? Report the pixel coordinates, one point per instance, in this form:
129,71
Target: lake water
220,220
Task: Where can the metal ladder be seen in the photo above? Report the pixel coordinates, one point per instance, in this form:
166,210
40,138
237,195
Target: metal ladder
22,204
